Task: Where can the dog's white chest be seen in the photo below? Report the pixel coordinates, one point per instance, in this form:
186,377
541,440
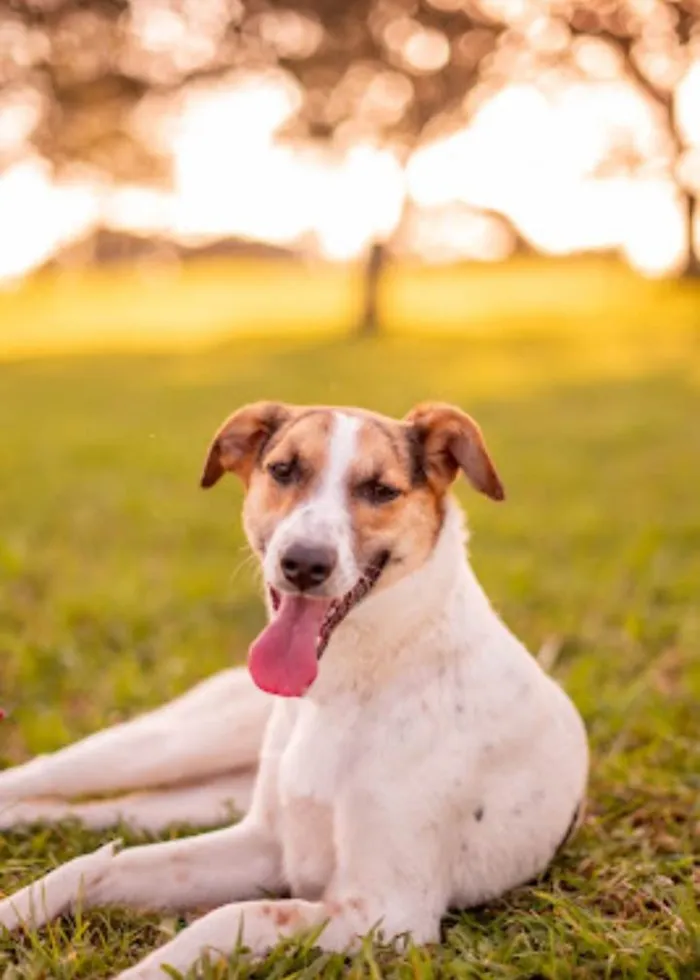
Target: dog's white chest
313,766
319,752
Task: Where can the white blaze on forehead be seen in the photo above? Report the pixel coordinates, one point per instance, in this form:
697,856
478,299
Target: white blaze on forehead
341,452
324,517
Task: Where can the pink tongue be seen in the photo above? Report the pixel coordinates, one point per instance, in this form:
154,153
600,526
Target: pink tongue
283,658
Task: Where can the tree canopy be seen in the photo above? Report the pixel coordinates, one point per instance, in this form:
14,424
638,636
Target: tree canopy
74,74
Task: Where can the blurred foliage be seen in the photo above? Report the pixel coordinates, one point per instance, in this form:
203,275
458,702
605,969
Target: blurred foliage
91,85
83,79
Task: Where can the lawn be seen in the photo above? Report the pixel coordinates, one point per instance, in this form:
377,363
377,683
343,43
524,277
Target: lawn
121,583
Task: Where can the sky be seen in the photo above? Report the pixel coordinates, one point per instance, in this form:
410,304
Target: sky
529,155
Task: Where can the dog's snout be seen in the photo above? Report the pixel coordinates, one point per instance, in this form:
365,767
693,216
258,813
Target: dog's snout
308,566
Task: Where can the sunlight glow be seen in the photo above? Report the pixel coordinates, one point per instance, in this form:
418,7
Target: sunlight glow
541,159
38,217
534,158
232,178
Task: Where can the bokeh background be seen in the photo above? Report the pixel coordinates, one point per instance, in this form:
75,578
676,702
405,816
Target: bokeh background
314,135
491,202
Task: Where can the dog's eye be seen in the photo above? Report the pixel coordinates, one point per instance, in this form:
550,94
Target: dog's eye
377,493
284,473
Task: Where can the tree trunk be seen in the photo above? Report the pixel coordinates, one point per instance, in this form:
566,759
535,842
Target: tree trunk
666,103
372,277
691,268
521,246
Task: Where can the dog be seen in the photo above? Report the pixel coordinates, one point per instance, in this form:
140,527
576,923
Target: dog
408,754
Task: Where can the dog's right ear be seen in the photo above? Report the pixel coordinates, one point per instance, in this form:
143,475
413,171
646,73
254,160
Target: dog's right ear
451,441
241,438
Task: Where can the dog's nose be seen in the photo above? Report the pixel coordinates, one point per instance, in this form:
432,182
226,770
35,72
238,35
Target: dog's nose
307,566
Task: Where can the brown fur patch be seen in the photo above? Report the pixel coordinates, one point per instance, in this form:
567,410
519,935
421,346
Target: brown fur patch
406,527
287,917
304,440
451,441
240,439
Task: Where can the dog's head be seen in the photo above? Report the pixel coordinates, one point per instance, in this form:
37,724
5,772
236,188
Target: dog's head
339,502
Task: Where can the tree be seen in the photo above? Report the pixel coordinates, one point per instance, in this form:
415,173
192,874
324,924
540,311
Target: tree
373,67
396,71
384,70
650,44
656,43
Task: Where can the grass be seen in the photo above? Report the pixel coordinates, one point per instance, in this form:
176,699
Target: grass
121,584
161,308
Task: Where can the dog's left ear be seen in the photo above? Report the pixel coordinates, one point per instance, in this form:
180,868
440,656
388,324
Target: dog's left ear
240,440
450,440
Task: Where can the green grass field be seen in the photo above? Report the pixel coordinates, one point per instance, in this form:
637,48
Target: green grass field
121,583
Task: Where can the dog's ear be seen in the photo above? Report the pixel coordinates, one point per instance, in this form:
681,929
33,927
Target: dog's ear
449,440
241,439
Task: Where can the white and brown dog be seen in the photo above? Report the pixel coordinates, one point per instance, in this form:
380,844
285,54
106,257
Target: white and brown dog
415,757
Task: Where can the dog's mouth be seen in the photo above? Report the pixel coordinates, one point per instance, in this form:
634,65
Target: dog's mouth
284,659
338,609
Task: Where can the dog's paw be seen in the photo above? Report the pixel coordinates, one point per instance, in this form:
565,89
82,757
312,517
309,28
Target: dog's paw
57,892
140,972
146,970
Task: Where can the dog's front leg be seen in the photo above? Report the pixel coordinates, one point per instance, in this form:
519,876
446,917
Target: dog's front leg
389,876
261,924
393,871
197,872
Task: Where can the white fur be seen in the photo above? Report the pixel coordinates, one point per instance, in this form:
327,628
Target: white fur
432,764
323,519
